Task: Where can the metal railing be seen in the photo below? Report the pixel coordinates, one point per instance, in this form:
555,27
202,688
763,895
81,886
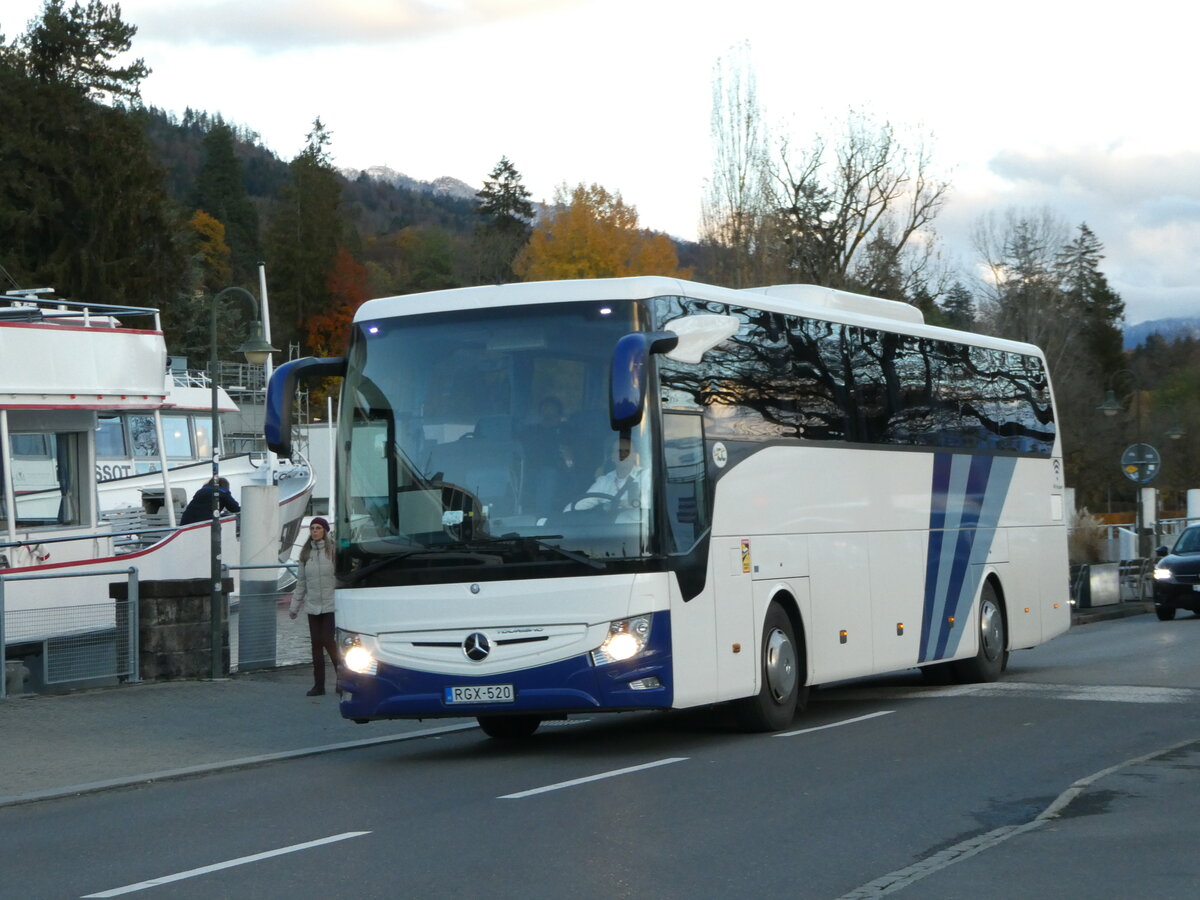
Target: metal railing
85,642
261,634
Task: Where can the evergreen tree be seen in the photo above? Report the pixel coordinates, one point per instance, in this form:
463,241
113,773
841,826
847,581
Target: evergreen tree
1102,310
83,205
507,214
959,307
75,48
304,238
220,191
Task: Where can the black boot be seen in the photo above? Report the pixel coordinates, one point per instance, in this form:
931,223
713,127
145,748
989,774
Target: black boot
316,691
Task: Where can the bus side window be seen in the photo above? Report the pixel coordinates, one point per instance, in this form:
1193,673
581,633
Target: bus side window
686,479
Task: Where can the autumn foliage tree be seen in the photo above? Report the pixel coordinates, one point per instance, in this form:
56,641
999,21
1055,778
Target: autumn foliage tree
328,329
592,233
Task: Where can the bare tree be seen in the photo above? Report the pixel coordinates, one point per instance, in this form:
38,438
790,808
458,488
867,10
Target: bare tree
879,194
1021,298
735,203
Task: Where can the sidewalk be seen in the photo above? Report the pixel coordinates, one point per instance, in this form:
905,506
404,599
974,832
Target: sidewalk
68,743
1088,615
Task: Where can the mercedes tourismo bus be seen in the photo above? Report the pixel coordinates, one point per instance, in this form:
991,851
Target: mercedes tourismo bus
814,486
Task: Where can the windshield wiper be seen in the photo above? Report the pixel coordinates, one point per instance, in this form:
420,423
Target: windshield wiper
542,540
483,546
363,571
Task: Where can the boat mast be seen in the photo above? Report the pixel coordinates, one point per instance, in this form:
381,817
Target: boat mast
268,366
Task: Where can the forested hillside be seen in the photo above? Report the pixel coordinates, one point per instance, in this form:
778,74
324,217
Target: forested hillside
109,201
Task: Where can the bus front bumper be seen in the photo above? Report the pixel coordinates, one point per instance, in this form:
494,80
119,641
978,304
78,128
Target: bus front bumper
573,685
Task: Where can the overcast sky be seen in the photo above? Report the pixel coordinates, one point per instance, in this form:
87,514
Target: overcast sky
1085,109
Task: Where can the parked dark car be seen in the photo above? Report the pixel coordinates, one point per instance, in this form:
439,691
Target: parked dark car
1177,576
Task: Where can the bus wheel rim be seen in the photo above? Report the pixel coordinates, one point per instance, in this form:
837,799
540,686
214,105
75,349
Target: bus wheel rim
991,626
780,665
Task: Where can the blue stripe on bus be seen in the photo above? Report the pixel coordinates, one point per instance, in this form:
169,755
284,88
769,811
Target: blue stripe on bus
937,522
967,497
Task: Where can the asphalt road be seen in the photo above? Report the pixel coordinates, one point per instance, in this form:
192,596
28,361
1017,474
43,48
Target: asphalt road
882,785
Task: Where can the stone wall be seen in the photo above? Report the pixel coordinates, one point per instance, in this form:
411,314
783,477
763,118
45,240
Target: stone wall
175,628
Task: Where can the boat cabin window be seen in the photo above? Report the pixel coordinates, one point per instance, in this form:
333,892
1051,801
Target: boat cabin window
47,478
177,434
110,438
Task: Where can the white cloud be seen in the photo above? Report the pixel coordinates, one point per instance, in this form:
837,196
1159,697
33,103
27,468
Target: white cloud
273,26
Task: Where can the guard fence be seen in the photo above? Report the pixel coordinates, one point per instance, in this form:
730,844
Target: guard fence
52,648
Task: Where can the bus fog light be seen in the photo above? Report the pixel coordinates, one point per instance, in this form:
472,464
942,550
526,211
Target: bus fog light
645,684
626,639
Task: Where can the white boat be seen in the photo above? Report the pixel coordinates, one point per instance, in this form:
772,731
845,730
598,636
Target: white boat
93,436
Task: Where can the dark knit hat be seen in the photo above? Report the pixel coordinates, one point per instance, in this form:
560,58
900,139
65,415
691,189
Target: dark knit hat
317,520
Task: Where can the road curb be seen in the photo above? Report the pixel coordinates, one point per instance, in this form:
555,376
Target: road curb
206,768
1115,611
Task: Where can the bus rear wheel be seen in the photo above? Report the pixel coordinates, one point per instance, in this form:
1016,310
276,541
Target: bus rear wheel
781,674
992,656
508,727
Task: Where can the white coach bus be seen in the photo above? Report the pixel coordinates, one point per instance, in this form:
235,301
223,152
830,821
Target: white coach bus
644,493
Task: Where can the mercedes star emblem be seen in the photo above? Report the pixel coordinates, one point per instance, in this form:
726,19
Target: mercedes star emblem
477,646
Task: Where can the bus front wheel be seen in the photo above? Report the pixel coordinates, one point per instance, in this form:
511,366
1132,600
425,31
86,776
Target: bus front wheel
992,656
781,673
509,727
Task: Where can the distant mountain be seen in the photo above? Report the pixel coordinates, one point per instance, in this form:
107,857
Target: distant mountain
442,187
1170,329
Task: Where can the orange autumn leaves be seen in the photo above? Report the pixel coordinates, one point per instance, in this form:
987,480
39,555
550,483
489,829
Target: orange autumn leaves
591,233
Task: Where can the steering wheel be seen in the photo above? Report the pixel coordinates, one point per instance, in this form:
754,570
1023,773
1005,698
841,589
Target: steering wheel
605,504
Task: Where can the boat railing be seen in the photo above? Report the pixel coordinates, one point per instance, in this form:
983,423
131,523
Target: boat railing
31,306
190,378
124,540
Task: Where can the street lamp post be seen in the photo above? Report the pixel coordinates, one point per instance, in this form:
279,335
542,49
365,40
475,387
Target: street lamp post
256,351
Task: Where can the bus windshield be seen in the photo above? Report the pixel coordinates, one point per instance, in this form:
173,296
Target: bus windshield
479,440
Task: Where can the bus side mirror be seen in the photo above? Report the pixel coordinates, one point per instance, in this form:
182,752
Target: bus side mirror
277,427
627,385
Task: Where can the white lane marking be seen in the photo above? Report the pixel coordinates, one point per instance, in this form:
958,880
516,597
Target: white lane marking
874,715
1107,693
228,864
902,878
576,781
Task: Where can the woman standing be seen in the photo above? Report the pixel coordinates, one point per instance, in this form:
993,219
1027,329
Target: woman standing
314,592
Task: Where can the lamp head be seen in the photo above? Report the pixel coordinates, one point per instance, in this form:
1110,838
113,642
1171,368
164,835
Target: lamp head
256,350
1111,406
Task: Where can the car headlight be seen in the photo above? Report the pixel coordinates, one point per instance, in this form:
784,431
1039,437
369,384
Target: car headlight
355,656
626,638
1161,574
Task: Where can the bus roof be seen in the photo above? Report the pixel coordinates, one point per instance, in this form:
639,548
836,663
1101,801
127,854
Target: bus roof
809,300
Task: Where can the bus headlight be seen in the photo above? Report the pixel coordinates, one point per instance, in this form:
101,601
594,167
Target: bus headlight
626,638
355,656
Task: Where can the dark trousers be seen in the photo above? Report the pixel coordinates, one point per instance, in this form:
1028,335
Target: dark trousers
320,633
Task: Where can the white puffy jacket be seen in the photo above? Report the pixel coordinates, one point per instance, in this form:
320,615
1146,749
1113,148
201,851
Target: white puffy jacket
314,583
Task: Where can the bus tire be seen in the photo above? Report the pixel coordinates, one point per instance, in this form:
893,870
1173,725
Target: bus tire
509,727
781,673
992,656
